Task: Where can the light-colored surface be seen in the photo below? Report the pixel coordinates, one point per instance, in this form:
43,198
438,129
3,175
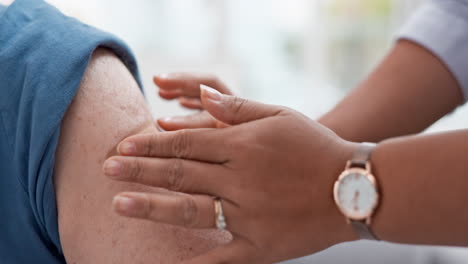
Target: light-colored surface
300,53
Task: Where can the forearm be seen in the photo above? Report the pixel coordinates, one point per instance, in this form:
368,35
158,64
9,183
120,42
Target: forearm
424,188
407,92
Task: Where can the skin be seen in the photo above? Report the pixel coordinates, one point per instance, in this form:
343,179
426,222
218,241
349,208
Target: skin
384,98
185,87
107,108
408,91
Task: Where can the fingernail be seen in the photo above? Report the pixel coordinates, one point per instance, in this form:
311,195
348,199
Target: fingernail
167,119
127,148
125,205
162,76
211,93
112,168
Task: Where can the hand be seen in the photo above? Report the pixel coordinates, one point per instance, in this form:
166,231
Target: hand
185,87
274,170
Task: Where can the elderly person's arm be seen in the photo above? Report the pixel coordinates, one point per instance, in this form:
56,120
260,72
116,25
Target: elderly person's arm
109,107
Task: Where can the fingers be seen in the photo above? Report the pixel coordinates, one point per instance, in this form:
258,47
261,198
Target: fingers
172,174
169,94
196,144
198,120
192,103
186,88
237,252
190,211
234,110
174,85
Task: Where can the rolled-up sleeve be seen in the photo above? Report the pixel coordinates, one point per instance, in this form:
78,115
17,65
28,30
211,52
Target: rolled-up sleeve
441,26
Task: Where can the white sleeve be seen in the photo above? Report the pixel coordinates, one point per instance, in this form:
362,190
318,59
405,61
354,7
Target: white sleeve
441,26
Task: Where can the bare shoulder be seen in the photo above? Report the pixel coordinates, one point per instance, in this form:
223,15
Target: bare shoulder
107,108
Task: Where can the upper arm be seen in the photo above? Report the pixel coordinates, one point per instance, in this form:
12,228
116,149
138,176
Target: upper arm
107,108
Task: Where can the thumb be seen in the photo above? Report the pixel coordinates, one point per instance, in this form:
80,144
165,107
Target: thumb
234,110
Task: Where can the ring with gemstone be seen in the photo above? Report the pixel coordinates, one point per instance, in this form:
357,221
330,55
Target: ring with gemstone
219,215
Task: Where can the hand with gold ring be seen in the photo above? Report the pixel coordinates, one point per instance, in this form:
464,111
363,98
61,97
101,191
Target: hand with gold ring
270,174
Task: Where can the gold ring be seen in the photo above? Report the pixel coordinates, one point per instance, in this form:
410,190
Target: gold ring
219,216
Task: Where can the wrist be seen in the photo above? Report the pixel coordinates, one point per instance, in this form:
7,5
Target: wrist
346,232
337,157
356,193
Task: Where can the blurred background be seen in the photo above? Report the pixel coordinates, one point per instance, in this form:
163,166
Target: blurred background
306,54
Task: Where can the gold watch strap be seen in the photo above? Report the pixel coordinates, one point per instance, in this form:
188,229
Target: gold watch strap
361,159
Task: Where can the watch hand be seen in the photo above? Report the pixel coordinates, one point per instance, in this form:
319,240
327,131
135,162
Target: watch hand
355,199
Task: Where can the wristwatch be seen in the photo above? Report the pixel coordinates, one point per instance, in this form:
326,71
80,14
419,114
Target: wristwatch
356,193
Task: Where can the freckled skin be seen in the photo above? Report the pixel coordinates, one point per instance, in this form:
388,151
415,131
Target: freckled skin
108,108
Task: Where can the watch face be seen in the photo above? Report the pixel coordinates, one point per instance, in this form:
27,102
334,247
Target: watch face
356,194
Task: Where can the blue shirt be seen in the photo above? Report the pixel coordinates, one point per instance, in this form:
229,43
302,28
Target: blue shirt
43,56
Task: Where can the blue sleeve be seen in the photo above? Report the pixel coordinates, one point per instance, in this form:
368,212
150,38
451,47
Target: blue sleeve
441,26
43,57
